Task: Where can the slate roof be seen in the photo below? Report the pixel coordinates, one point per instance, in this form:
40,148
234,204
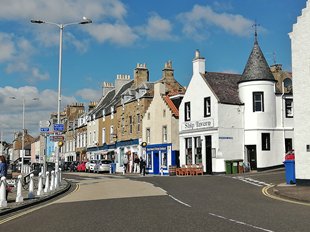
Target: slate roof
257,67
224,86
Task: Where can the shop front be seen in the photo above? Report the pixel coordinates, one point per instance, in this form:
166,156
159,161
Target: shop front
159,157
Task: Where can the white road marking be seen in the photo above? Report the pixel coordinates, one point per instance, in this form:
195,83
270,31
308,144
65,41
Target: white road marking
251,181
177,200
239,222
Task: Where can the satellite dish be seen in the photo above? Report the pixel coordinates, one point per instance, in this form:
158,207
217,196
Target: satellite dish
84,18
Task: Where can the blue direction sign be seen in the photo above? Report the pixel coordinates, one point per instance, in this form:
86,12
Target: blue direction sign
58,127
44,129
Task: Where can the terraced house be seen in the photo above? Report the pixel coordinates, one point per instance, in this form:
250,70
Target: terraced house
114,126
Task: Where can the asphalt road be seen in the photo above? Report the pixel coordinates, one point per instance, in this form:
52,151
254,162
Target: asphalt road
200,203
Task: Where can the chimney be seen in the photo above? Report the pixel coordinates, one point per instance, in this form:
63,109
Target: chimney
168,71
106,87
91,106
159,88
120,81
199,65
141,75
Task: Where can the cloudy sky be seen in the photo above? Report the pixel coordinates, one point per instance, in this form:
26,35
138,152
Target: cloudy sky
124,33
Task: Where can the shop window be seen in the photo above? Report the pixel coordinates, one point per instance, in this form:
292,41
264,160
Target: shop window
187,109
188,150
207,107
289,113
266,141
164,159
258,101
149,161
197,150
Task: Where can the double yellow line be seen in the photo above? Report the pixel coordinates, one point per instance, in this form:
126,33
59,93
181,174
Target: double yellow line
267,194
33,209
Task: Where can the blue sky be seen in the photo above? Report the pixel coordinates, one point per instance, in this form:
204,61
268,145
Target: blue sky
124,33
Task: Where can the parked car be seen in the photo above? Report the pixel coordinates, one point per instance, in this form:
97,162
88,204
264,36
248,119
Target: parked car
89,166
102,166
81,167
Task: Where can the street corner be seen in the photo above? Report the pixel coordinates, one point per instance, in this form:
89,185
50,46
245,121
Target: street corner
288,193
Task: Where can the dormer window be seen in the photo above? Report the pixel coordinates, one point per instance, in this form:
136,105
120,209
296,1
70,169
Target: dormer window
103,114
112,112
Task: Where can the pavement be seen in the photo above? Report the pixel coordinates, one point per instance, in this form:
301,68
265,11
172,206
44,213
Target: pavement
13,206
293,193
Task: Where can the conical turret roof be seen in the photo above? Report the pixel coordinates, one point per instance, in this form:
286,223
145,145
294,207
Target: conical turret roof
257,67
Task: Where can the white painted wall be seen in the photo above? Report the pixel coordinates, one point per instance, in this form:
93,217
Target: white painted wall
300,43
158,120
266,119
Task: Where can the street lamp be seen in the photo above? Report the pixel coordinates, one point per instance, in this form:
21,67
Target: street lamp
23,136
61,28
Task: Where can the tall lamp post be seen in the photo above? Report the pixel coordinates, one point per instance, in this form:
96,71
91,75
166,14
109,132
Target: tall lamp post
23,136
61,28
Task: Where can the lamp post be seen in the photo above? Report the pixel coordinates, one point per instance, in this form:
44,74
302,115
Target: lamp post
23,136
61,28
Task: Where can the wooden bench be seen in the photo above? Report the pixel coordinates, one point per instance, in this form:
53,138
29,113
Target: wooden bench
193,170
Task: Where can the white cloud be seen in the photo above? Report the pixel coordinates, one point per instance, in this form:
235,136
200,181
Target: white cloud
120,34
7,47
157,28
197,21
35,110
89,94
61,10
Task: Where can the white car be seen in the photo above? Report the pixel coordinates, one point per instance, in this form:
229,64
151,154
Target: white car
89,166
102,166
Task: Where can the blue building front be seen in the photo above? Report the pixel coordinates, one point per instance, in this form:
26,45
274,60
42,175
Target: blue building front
159,157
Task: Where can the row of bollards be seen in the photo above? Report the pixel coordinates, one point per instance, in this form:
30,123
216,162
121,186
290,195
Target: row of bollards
52,182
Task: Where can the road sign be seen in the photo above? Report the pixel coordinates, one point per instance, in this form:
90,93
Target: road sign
57,138
45,123
58,127
44,129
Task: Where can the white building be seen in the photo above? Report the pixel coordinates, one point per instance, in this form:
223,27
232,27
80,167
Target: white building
300,42
229,118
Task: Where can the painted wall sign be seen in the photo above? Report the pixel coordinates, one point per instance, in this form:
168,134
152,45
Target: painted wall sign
223,137
193,125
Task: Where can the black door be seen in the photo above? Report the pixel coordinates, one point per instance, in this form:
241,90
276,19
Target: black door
252,157
208,140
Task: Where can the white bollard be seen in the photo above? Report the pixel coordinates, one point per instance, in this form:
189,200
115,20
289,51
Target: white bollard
30,193
3,200
161,171
52,180
40,186
56,179
47,182
60,176
124,167
19,197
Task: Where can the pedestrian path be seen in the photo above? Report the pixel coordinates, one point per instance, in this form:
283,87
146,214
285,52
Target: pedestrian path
251,181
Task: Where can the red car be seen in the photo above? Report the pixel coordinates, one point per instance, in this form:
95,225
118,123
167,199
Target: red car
81,167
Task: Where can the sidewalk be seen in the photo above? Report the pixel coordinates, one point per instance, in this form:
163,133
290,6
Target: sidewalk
13,206
293,192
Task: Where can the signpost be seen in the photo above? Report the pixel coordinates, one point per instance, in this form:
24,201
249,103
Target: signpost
58,127
57,138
